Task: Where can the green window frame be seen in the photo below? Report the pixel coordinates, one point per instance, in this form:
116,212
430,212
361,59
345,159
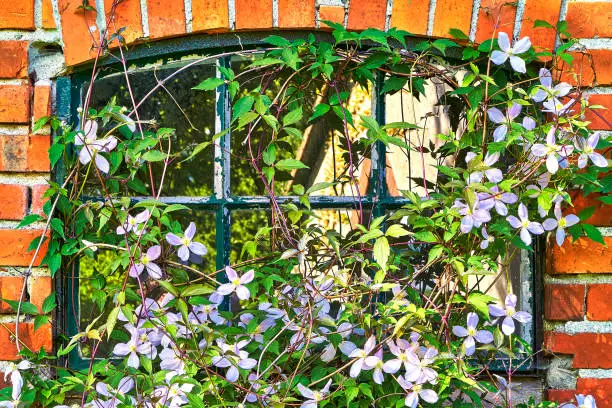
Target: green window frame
223,203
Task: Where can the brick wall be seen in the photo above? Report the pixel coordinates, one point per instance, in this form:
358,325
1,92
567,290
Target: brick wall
579,279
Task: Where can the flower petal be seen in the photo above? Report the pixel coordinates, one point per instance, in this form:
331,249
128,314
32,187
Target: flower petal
503,41
460,331
518,64
508,326
173,239
495,115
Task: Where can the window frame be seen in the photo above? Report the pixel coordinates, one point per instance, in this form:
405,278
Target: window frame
222,203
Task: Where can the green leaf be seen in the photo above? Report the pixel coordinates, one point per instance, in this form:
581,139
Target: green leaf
290,164
425,236
542,23
39,321
277,41
242,106
351,393
55,153
176,207
209,84
458,34
26,307
29,219
480,302
319,110
266,61
196,290
111,321
293,116
396,231
153,156
586,213
381,252
49,303
593,233
320,186
169,287
394,84
434,253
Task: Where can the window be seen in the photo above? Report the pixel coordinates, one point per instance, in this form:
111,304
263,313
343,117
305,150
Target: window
225,197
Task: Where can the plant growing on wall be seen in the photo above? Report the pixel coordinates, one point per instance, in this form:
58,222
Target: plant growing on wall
383,315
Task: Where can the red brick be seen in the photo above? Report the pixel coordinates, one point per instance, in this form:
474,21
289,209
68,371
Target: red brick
166,18
14,59
296,13
126,15
590,350
15,103
38,156
42,101
495,16
13,150
598,302
583,256
78,41
38,200
17,14
589,68
34,340
599,388
13,246
48,20
589,19
10,288
14,201
209,15
334,14
562,396
253,14
410,15
452,14
564,302
40,288
601,119
364,14
603,213
549,10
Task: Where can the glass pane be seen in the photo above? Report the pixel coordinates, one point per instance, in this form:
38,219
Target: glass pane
245,243
320,145
407,169
175,105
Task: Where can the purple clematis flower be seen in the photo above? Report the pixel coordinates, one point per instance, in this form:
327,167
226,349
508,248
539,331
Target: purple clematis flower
360,355
529,123
583,402
497,199
553,151
126,384
504,121
509,314
560,223
547,90
236,284
314,397
416,392
186,244
171,360
525,225
492,174
471,334
418,370
376,363
134,224
588,151
92,146
521,46
556,107
472,216
233,357
146,262
486,239
134,347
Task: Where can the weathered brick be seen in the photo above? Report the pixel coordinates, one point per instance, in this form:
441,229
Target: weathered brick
583,256
14,245
253,14
42,100
364,14
495,16
14,201
38,200
335,14
126,15
40,288
452,14
601,119
10,288
37,157
599,388
166,18
34,340
209,15
17,14
78,40
590,350
14,59
564,302
15,103
589,68
13,150
296,13
598,302
589,19
48,20
603,214
561,396
410,15
541,37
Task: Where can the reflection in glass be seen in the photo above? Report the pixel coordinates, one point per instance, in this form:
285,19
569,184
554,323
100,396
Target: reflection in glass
244,241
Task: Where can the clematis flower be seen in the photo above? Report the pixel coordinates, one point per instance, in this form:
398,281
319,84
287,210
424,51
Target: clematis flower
416,392
351,350
314,397
487,239
92,146
492,174
401,351
552,150
529,123
134,347
375,363
547,90
146,259
172,395
588,152
236,284
329,352
171,360
497,200
471,334
12,371
521,46
233,357
525,225
256,393
472,216
583,402
509,314
186,244
134,224
503,121
259,330
556,107
116,395
417,369
560,223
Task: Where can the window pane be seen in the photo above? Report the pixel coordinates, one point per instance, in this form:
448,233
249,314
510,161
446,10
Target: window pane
245,243
175,105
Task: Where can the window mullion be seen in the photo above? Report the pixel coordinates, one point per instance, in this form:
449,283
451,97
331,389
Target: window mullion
378,158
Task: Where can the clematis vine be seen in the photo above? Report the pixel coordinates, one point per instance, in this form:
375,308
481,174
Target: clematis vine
503,121
92,146
509,314
526,227
510,52
415,392
498,200
233,357
236,284
547,90
471,334
473,216
486,239
553,152
584,401
313,397
186,244
587,148
146,262
491,173
560,223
